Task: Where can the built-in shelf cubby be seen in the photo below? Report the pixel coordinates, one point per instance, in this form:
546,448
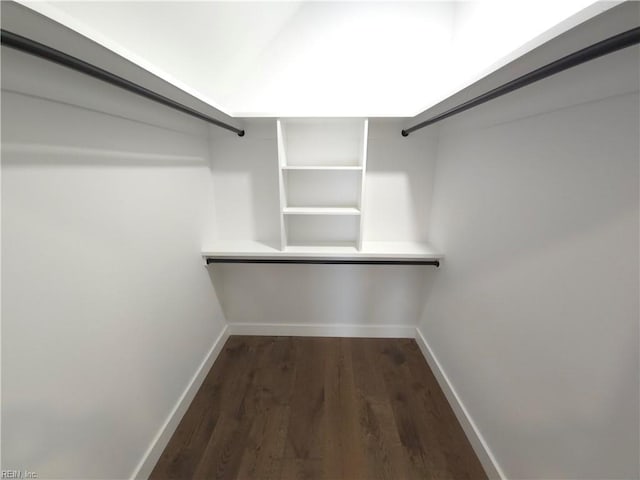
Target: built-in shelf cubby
308,229
322,165
322,188
322,143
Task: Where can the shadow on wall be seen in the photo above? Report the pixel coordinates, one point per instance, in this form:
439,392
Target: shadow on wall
82,140
25,155
245,182
399,183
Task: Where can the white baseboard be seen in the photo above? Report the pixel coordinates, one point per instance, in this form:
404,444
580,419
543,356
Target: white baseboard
323,330
491,466
160,441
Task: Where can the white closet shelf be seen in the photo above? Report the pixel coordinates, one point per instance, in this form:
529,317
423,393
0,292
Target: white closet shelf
323,167
372,252
321,211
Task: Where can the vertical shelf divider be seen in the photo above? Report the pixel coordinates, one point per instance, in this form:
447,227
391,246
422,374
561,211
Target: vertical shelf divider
363,163
282,162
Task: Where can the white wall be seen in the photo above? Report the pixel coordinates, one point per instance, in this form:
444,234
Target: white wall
321,299
245,179
399,183
107,310
534,313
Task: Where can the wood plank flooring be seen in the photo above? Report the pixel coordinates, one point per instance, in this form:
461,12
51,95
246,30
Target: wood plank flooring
319,408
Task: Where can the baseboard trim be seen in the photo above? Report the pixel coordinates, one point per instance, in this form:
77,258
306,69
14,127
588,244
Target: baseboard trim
491,466
160,441
323,330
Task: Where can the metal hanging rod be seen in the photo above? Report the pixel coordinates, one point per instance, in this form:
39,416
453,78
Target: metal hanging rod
604,47
322,261
32,47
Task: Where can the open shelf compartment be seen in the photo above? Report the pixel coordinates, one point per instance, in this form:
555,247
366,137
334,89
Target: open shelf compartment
322,143
322,188
308,230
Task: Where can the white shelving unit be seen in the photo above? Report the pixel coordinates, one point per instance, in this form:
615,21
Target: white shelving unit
322,169
315,205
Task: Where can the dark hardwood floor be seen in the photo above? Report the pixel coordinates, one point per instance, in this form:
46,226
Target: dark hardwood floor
319,408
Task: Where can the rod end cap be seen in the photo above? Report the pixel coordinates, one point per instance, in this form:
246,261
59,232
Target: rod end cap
405,133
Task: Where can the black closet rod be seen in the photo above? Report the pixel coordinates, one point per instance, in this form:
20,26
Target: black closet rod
27,45
322,261
604,47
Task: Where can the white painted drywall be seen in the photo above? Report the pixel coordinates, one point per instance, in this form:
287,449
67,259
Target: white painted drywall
534,314
330,296
398,190
399,181
107,310
245,179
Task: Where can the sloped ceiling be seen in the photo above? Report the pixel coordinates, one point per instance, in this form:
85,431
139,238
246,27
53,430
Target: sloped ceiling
321,58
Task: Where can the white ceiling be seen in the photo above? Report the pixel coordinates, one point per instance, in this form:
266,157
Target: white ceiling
342,58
